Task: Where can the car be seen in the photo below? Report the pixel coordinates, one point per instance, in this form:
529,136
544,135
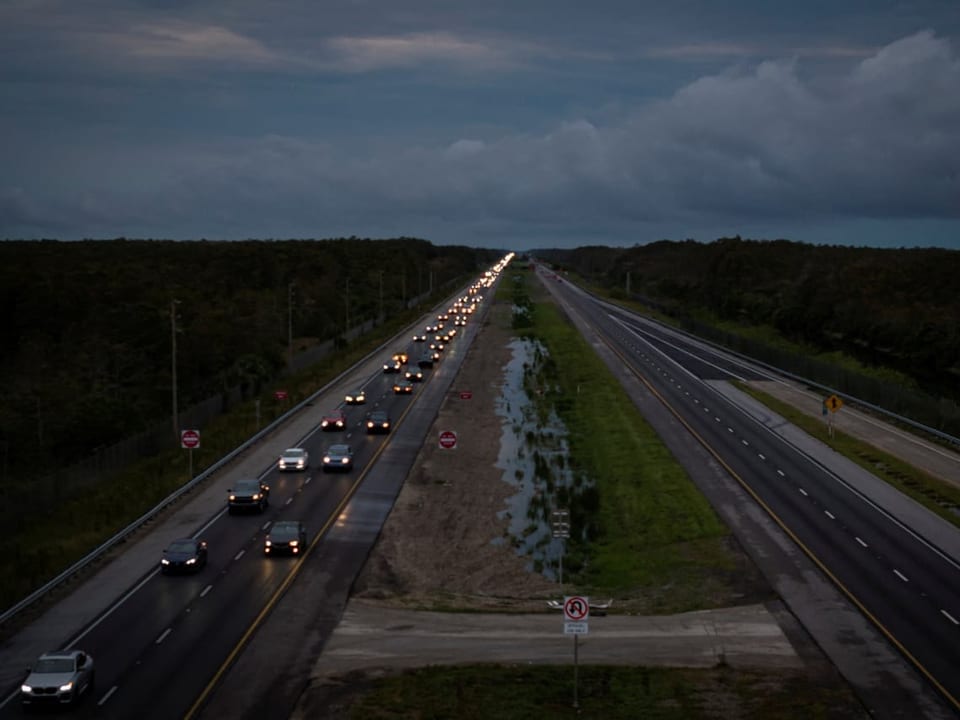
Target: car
415,374
402,387
392,366
333,421
184,555
293,459
438,346
378,422
248,494
358,397
338,457
286,537
419,338
400,357
426,360
430,328
58,678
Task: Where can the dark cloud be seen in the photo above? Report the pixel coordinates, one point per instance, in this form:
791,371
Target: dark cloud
404,118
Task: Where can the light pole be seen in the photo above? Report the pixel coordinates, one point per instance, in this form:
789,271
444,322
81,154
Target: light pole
173,366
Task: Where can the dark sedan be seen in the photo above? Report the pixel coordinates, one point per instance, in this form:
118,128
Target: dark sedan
378,422
184,555
288,537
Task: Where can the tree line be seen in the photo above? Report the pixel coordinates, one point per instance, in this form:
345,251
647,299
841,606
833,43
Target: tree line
890,308
87,329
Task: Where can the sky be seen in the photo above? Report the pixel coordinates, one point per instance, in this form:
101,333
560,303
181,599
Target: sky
513,124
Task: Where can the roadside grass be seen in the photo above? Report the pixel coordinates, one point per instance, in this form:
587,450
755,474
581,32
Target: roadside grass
934,494
49,540
524,692
647,536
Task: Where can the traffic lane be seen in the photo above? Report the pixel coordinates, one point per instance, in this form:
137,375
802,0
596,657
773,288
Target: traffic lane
866,658
195,644
916,612
267,678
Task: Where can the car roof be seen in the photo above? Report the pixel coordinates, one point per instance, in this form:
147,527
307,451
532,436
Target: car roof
286,525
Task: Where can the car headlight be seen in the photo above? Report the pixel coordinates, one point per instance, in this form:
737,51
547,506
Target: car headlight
369,424
294,543
339,423
256,496
326,458
26,688
268,543
164,562
344,460
301,463
67,687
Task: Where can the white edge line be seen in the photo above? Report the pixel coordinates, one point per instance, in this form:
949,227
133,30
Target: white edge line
107,695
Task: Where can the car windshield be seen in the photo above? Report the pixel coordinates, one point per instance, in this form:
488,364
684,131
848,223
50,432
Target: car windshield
284,531
294,453
181,546
247,486
339,450
378,417
53,665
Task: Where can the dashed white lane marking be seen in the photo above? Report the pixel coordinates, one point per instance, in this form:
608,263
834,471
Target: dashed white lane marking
745,443
730,429
900,575
239,555
861,542
761,456
107,695
289,500
950,617
207,589
803,492
265,525
829,514
781,473
163,635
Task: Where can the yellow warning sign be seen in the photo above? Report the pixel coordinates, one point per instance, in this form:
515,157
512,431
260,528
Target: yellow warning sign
833,403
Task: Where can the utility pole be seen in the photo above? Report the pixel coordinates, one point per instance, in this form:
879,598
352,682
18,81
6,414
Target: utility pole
173,366
346,299
290,287
381,296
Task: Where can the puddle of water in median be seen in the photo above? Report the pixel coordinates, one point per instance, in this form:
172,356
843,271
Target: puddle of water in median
533,454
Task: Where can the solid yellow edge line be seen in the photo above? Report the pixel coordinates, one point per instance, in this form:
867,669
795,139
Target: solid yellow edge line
833,578
275,598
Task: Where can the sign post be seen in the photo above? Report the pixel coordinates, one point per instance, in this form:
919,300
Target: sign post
576,614
448,439
190,439
832,403
560,524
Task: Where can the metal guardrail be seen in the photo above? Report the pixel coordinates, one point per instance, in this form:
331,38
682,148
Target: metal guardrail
946,437
184,489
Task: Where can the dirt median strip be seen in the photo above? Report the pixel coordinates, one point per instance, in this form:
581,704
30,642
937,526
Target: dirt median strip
371,636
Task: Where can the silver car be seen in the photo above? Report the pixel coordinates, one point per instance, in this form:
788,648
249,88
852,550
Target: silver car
294,459
58,678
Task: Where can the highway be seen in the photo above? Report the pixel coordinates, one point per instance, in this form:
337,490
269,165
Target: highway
163,641
906,586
